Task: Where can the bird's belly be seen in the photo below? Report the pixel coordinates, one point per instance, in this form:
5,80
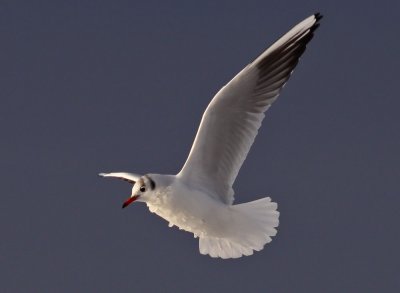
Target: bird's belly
196,213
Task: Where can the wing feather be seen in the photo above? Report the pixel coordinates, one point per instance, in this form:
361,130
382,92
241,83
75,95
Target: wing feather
232,119
129,177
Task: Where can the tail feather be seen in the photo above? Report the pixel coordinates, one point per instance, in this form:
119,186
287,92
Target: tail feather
254,224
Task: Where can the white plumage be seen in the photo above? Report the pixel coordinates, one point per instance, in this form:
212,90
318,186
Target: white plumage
199,199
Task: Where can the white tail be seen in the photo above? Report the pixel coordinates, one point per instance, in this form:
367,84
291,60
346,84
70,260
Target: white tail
253,226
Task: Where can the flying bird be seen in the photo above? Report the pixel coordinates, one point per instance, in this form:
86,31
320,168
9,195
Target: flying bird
199,199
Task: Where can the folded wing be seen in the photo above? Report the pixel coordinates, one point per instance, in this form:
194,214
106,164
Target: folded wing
232,119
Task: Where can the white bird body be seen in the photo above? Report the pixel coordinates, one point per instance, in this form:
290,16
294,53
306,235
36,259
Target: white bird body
199,199
241,226
191,213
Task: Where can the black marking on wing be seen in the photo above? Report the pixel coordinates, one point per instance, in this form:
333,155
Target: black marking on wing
277,66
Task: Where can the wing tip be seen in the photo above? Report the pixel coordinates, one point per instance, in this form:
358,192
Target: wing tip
318,16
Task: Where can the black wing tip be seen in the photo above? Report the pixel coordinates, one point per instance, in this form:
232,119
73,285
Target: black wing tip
318,16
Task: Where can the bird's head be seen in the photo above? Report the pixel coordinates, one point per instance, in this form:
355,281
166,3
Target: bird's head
141,190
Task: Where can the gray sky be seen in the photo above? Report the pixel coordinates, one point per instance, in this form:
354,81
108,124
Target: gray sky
92,86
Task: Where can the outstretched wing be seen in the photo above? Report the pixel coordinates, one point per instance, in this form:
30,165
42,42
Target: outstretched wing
232,119
129,177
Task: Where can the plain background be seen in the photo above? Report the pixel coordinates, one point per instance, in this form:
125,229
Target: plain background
99,86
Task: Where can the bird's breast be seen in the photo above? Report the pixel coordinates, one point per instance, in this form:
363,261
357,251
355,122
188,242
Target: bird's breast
186,209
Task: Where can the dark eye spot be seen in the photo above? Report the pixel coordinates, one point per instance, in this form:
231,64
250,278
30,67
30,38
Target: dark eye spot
142,188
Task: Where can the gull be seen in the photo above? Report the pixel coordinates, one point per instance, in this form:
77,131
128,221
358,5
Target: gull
199,199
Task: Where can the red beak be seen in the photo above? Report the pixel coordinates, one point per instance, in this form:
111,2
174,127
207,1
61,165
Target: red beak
129,201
